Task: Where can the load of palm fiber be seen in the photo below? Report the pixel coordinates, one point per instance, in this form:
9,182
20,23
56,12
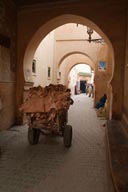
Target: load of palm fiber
43,105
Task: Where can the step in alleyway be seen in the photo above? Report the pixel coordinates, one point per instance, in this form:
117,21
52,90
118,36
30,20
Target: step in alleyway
49,166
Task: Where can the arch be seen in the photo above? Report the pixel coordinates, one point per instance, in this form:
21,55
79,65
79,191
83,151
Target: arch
73,81
54,23
72,53
57,22
82,58
69,69
78,64
69,62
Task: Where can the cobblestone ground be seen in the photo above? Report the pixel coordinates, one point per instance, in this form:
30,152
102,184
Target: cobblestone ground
49,166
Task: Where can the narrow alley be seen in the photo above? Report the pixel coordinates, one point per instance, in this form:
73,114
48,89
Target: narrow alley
49,166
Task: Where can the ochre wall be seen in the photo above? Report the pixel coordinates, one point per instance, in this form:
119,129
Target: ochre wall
7,111
71,38
102,76
105,17
125,98
7,64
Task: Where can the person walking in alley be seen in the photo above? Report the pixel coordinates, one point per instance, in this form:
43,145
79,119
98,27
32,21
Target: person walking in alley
90,90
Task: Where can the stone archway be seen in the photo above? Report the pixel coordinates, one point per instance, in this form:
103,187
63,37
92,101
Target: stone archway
70,61
51,25
28,52
79,76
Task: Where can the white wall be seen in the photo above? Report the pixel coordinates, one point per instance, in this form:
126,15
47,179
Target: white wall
44,56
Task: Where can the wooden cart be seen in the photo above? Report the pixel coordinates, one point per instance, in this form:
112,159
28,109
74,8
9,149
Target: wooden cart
46,110
59,128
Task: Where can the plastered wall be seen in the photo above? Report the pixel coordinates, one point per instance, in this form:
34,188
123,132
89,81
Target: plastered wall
7,64
44,61
125,98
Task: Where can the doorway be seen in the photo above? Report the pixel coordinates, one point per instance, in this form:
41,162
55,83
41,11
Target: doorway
83,86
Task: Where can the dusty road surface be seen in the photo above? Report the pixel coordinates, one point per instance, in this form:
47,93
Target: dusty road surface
49,166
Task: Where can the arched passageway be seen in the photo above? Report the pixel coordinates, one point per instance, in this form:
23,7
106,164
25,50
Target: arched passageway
31,19
43,31
80,77
70,61
21,25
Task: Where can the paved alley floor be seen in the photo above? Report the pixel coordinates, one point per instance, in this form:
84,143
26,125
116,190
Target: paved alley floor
49,166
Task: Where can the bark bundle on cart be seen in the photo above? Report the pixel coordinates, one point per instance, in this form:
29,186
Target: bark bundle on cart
43,105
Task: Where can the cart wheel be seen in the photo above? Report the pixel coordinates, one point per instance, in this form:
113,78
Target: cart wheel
67,135
33,136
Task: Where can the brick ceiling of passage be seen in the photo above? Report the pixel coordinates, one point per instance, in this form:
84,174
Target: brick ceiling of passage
34,2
